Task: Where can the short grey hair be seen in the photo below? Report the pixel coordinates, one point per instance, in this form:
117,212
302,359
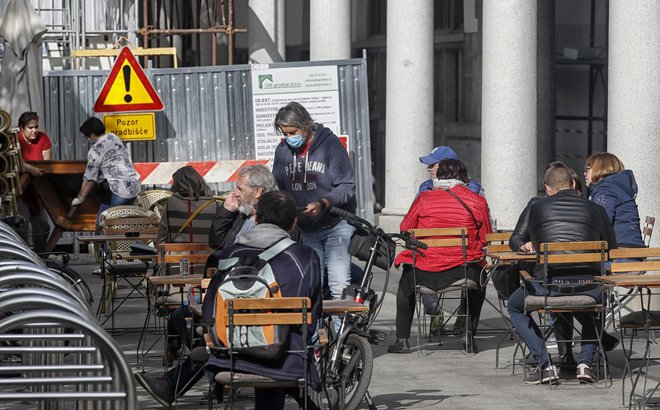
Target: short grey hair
258,176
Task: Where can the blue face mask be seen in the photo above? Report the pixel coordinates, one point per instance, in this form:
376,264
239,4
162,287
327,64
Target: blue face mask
295,141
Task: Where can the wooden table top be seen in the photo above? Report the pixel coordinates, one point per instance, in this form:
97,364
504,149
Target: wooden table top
110,238
176,280
330,307
512,256
645,281
335,307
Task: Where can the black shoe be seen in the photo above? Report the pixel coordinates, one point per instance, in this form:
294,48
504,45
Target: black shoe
609,342
584,374
400,346
158,387
549,375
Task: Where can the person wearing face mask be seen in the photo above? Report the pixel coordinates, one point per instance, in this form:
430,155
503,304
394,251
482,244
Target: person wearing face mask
433,159
35,146
313,166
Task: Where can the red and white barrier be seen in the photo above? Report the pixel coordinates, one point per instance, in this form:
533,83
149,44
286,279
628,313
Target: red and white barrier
160,173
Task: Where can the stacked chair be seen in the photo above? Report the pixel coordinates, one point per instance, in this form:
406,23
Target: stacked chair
53,351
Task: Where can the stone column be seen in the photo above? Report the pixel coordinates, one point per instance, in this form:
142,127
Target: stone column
508,127
266,31
409,106
330,30
633,107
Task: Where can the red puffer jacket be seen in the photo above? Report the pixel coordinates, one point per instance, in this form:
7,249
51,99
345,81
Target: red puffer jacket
439,209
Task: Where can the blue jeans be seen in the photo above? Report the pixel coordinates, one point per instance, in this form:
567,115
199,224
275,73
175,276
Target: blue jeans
531,335
115,200
332,246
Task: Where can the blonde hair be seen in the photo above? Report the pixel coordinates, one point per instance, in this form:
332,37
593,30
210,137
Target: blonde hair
604,164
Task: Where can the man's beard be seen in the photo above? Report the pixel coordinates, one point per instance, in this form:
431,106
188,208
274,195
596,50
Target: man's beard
246,209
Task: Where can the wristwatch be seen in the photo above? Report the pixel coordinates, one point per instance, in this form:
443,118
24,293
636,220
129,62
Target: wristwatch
323,204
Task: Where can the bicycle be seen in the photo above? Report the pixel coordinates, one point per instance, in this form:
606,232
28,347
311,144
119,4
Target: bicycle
346,364
16,246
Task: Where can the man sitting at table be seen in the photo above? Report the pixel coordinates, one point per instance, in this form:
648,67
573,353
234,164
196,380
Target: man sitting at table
562,216
297,270
236,215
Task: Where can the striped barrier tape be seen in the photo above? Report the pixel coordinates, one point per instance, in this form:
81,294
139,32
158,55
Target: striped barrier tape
160,173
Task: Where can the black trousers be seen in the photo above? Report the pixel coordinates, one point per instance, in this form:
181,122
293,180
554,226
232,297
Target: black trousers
405,296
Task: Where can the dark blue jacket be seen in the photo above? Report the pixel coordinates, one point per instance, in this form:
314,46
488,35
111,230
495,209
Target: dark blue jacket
298,272
324,172
616,193
473,186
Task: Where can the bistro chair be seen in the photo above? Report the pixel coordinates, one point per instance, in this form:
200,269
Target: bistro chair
444,238
553,304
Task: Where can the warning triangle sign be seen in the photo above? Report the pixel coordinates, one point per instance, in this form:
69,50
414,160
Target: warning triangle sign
127,88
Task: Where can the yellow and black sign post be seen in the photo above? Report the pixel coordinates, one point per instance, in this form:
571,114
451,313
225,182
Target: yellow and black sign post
127,89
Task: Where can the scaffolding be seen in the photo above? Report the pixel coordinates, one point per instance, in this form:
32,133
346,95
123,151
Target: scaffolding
224,25
79,29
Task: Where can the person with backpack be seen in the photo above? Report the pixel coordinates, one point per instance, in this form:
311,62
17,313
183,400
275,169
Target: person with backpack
296,270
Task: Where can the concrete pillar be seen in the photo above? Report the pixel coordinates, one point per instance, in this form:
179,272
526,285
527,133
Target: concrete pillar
266,31
330,33
409,106
508,126
633,105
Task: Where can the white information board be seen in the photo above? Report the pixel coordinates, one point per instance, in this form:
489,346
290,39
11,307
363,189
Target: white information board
316,88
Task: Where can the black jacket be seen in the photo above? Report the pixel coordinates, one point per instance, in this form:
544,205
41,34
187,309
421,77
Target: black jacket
226,224
567,217
520,234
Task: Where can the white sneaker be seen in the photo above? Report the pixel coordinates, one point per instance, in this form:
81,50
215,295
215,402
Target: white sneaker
551,343
584,374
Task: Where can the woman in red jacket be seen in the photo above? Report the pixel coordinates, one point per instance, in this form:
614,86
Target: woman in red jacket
449,204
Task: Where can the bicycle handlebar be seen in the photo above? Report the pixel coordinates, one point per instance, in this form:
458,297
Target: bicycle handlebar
361,224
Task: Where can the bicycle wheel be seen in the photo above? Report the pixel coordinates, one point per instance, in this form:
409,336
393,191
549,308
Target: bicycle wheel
356,354
72,277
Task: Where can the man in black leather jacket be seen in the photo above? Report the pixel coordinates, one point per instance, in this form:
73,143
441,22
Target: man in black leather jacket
562,216
563,327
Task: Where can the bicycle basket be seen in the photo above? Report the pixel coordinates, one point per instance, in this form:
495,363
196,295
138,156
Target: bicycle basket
361,245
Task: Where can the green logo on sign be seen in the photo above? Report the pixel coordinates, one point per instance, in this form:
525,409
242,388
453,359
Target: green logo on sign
265,78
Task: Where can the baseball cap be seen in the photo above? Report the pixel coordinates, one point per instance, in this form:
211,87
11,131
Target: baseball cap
438,154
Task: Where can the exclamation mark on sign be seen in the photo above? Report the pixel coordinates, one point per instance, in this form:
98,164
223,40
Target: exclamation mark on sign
127,82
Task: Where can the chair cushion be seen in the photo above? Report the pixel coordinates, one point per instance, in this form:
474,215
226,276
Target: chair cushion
254,380
125,269
636,319
458,285
533,302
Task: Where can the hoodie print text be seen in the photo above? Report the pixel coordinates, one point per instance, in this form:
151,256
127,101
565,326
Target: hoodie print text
303,173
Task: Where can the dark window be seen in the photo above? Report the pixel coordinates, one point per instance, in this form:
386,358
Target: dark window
448,15
378,21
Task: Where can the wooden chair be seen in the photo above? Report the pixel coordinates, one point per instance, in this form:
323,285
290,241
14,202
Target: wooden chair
164,299
498,242
646,318
293,311
555,254
445,238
